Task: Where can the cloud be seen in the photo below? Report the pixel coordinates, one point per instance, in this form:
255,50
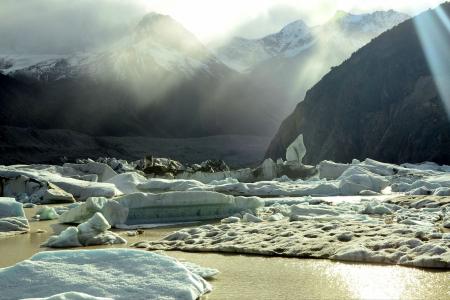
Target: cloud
64,26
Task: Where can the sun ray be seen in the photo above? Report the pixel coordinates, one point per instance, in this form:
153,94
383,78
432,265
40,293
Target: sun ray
433,29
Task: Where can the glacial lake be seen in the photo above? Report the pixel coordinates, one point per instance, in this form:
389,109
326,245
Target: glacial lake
256,277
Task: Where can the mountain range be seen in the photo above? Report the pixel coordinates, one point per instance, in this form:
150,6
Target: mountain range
383,103
161,81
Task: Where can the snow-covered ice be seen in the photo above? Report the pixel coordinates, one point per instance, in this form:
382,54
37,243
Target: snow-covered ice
12,217
92,232
391,232
170,207
111,273
42,174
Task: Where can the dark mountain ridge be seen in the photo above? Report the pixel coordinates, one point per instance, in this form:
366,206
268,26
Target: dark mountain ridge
382,103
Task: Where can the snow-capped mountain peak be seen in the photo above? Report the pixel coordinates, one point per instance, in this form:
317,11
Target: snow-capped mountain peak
243,54
157,44
291,40
369,21
296,28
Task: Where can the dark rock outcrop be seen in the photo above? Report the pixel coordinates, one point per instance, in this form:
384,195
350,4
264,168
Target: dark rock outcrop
382,103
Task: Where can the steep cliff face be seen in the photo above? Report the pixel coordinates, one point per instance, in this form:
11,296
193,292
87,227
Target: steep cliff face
381,103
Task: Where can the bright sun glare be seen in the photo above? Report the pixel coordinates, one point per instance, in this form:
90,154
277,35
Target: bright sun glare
434,31
212,19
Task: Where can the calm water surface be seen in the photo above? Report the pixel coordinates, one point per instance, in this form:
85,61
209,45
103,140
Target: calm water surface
255,277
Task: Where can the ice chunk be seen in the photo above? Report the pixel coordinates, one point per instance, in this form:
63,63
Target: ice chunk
103,171
184,206
269,169
12,216
376,208
442,191
251,218
114,212
67,238
92,232
111,273
46,213
147,208
230,220
80,189
297,150
275,217
331,170
159,184
356,179
127,183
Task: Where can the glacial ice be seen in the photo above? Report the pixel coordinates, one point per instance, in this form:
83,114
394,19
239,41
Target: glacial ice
297,150
128,183
169,207
46,213
80,189
147,208
114,212
108,273
399,234
103,171
92,232
12,217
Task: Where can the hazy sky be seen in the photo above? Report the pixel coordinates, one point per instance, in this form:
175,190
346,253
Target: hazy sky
74,25
254,18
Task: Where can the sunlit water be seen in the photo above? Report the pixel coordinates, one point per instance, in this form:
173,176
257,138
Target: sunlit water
255,277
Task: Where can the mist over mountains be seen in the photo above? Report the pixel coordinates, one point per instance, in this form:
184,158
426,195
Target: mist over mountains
386,102
159,80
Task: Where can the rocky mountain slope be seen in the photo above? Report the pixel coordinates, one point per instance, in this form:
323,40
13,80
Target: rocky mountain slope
382,103
297,57
158,81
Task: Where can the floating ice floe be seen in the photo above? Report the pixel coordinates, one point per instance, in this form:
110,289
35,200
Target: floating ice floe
147,208
12,217
369,231
32,190
79,189
46,213
339,240
112,273
352,182
92,232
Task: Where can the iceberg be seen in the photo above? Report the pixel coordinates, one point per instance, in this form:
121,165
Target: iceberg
107,273
113,212
184,206
356,179
80,189
46,213
12,217
148,208
296,151
92,232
